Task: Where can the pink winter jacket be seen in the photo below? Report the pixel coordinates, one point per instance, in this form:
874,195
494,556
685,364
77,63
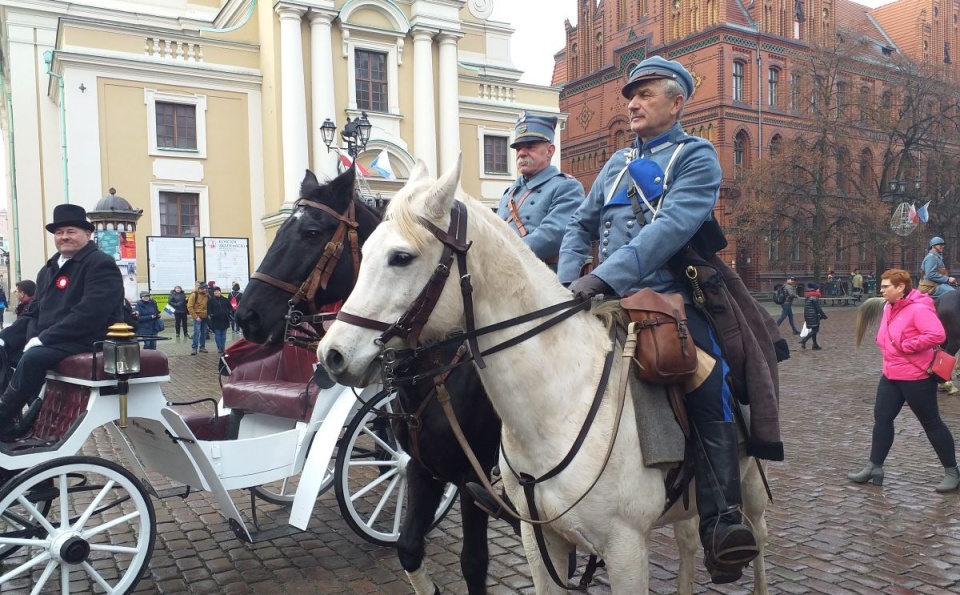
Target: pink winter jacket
909,330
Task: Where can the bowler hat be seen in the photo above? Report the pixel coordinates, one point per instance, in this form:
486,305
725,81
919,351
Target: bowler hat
68,215
531,128
656,67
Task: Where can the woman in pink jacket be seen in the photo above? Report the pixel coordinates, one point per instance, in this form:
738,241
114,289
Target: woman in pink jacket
909,332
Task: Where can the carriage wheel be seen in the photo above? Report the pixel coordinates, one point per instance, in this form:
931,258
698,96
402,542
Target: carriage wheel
371,483
96,535
18,518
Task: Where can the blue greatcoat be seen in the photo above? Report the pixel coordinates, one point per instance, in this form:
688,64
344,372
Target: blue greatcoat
553,199
631,255
931,262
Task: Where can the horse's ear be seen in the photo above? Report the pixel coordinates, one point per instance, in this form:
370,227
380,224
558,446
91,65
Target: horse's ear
309,183
444,192
419,171
344,184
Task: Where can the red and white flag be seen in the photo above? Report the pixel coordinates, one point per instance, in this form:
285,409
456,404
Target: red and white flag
914,217
347,162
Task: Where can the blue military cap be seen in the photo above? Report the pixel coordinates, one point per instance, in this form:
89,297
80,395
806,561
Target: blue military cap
656,67
532,128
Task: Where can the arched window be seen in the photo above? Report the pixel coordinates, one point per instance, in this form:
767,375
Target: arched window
740,151
866,169
776,145
863,105
710,132
619,140
773,87
843,166
738,75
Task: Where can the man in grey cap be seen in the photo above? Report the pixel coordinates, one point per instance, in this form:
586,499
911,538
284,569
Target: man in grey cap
79,294
540,203
645,206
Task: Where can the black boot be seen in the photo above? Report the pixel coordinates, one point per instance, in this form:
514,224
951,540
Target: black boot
11,408
728,544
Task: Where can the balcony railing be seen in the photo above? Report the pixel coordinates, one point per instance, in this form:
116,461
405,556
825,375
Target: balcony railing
500,93
170,49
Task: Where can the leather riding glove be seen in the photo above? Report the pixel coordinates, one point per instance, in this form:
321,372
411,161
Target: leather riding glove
588,286
34,342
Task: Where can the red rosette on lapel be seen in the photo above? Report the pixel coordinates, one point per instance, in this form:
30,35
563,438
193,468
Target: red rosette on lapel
62,282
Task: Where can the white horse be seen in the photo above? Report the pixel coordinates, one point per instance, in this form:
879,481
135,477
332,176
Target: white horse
542,388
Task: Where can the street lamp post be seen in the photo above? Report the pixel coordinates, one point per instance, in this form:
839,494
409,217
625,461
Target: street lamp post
355,133
902,223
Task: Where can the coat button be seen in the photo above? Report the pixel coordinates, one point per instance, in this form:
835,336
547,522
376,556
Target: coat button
607,224
606,233
533,202
656,180
606,241
604,251
631,223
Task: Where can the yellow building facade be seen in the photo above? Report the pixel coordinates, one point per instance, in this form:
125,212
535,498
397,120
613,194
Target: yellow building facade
206,113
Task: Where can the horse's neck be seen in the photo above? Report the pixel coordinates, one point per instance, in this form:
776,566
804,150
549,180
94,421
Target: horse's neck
553,374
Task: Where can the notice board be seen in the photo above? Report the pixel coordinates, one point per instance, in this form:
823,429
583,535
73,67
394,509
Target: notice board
226,260
171,262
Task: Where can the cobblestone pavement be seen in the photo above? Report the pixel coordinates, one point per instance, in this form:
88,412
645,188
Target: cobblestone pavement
827,535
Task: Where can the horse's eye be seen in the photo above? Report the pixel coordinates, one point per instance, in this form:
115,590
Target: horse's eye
311,234
400,259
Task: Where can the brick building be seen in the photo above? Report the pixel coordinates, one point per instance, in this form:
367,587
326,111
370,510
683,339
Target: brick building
744,58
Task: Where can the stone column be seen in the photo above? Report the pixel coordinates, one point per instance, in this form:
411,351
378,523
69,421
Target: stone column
449,101
322,90
424,115
293,102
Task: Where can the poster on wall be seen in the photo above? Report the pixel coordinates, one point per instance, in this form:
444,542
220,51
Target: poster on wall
226,260
171,262
122,246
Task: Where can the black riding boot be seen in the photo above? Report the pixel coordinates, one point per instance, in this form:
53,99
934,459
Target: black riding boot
11,408
728,544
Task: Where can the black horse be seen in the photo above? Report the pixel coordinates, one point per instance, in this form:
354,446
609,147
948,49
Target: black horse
289,264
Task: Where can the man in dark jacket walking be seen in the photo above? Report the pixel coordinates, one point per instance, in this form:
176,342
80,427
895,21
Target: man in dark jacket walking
79,294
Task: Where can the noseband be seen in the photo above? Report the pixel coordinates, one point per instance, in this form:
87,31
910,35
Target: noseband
320,275
411,322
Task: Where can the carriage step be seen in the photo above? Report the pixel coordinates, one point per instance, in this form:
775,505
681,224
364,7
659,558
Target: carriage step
262,534
181,491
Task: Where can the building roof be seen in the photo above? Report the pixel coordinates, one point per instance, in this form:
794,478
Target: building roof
560,75
854,17
900,27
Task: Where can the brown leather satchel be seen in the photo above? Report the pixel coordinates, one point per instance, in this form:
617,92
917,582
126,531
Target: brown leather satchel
665,350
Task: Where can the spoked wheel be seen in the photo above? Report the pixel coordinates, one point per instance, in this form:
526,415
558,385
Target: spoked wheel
371,481
96,534
17,518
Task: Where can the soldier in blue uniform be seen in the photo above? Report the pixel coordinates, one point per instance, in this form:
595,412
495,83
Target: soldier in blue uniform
645,206
936,281
542,200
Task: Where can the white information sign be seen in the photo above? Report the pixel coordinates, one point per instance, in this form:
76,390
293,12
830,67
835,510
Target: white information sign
171,262
226,260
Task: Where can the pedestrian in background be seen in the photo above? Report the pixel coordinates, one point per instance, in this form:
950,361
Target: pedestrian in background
197,307
786,312
909,332
3,305
812,315
26,289
235,295
218,316
178,301
147,314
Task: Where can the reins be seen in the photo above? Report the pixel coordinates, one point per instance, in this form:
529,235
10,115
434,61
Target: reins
319,277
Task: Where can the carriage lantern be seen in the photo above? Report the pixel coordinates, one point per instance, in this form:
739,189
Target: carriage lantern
121,358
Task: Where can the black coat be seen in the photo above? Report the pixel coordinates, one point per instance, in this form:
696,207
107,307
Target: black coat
812,312
178,301
218,313
73,305
147,316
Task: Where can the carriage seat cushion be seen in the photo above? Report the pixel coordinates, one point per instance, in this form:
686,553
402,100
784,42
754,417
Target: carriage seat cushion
277,382
152,363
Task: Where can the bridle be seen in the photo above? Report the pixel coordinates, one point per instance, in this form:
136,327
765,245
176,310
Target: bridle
319,277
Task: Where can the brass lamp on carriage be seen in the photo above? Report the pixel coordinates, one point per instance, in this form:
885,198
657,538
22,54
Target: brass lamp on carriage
121,358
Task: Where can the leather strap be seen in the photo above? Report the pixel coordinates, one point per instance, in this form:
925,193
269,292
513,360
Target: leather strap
514,216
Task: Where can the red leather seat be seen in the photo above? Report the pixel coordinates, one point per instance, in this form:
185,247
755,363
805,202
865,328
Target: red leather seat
152,363
276,383
62,405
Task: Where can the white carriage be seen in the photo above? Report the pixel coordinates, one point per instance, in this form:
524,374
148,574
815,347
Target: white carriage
74,523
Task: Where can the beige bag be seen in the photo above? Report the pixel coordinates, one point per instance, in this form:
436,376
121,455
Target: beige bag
926,286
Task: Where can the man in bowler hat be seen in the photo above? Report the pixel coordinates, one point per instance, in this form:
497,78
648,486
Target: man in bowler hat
644,207
540,203
79,294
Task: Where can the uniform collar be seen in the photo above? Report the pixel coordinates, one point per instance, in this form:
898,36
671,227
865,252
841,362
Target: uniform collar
663,141
539,178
